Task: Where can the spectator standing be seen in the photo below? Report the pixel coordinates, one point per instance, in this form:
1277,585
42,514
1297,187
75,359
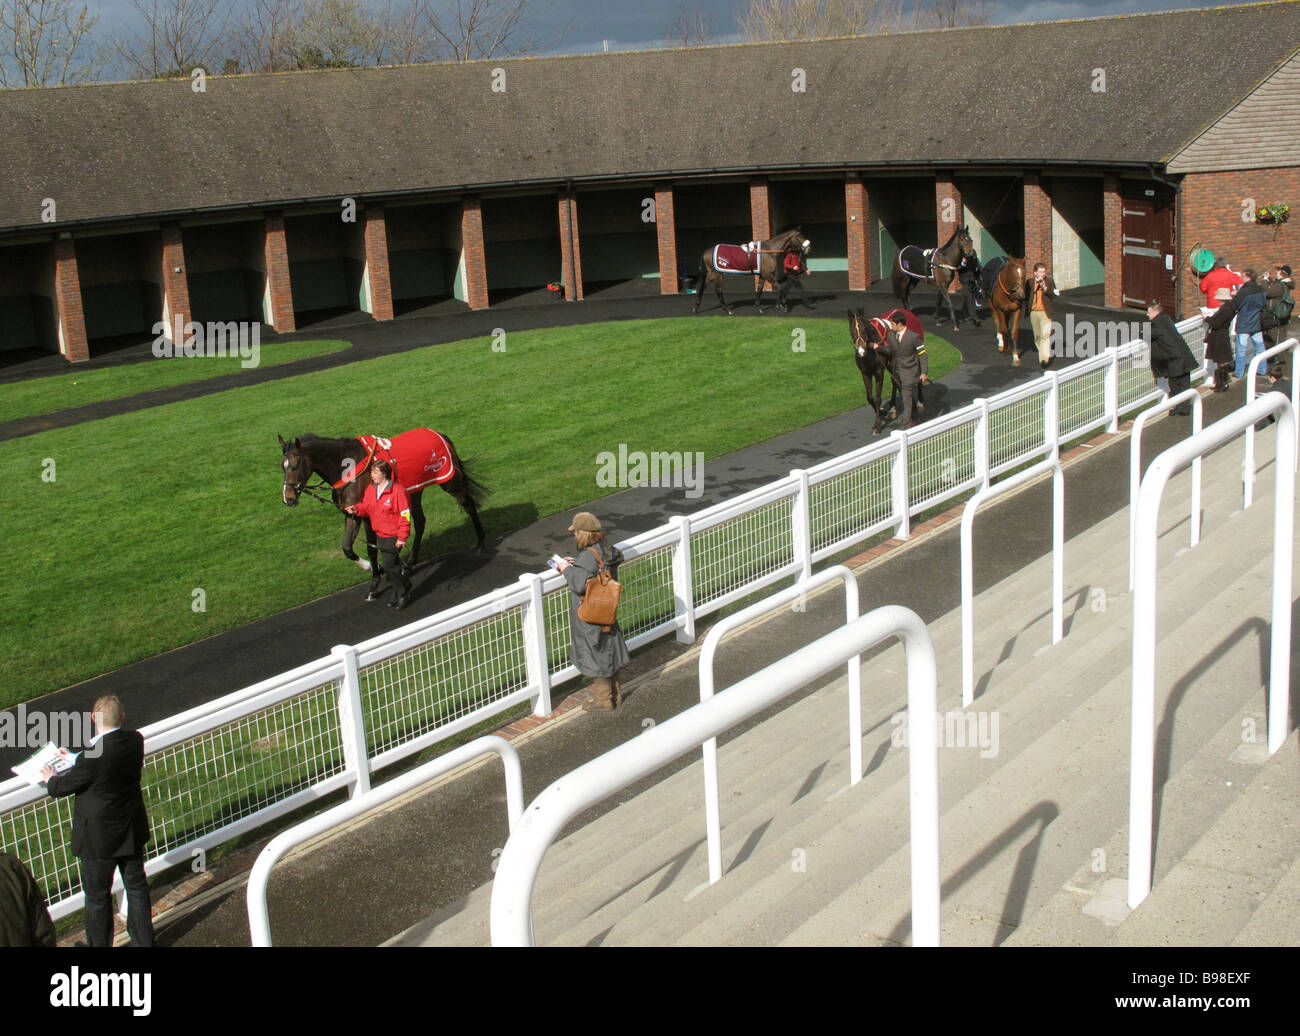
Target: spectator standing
24,916
597,654
1218,277
110,827
1170,357
1279,301
1218,341
1040,290
1250,301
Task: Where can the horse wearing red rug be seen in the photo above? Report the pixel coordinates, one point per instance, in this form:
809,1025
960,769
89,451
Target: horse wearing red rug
761,259
420,458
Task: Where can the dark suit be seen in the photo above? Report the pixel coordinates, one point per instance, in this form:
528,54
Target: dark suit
110,829
908,362
1171,359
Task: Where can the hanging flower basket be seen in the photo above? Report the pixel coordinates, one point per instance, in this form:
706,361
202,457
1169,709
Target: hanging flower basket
1275,215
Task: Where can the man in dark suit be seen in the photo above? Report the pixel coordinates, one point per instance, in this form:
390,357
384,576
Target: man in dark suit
109,824
1170,357
904,349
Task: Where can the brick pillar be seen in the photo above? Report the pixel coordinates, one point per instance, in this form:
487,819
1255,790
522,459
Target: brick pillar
276,254
67,298
666,229
1113,218
947,202
760,215
1038,223
471,239
570,245
175,278
376,245
857,224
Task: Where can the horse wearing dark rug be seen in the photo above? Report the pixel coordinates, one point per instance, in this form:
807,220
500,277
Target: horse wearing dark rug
420,458
869,334
937,266
761,259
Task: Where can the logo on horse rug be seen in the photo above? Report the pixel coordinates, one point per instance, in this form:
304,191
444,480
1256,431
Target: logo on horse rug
420,457
737,258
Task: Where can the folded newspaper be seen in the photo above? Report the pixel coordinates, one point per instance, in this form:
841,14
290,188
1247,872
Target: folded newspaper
51,755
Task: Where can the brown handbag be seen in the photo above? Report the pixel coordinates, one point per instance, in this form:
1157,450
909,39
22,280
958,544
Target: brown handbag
600,600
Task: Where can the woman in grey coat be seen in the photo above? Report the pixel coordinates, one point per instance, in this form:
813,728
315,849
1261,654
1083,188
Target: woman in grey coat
596,654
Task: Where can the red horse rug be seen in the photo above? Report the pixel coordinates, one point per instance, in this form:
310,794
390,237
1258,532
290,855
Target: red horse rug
420,457
737,258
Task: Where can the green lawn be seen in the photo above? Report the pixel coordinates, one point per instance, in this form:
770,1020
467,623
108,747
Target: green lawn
78,387
126,518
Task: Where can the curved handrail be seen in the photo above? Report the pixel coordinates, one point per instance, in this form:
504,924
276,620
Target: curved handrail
1052,464
259,921
712,813
1135,468
1142,730
546,816
1252,372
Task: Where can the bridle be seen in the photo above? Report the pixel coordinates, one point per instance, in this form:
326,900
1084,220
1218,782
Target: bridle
300,488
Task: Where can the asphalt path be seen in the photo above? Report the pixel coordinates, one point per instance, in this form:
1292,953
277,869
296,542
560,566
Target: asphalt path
197,673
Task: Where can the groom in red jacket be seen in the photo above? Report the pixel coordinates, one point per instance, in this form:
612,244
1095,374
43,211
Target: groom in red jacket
389,510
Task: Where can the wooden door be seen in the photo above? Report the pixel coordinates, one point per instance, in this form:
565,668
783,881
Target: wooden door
1149,250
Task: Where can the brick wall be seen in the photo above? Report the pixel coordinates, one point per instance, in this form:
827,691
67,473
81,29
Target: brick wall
67,297
176,286
277,274
1113,218
857,222
1038,222
1212,210
471,238
666,229
760,214
570,242
946,196
376,243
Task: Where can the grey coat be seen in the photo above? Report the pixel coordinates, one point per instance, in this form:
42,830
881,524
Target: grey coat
595,653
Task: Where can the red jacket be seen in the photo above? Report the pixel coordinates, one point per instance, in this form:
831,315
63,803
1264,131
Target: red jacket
389,514
1216,279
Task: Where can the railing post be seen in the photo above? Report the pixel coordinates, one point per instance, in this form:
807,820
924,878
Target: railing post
1052,418
801,521
352,728
683,589
534,620
1112,389
902,504
981,444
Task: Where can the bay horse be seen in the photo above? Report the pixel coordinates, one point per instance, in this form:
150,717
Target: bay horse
769,252
344,465
938,268
868,334
1006,300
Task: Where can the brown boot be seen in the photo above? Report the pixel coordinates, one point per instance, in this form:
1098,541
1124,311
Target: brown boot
617,681
603,696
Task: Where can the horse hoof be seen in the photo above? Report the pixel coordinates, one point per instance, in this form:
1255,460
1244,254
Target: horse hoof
480,551
372,596
363,565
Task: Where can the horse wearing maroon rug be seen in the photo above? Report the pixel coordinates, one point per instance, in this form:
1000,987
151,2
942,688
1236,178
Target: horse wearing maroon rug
869,334
420,458
761,259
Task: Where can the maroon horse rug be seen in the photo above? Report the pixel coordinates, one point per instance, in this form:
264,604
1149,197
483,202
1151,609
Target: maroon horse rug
420,457
737,258
882,324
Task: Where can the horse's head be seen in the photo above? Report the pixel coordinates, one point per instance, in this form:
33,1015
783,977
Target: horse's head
865,332
1015,269
297,470
965,241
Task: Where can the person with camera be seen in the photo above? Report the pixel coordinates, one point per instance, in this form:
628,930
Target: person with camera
599,652
1039,307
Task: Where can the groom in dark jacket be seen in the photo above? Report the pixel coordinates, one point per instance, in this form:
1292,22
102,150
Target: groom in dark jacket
1170,357
110,827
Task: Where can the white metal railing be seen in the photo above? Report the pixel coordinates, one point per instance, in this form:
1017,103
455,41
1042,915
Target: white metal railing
1252,372
1174,459
259,920
546,816
791,595
1052,465
1135,469
233,764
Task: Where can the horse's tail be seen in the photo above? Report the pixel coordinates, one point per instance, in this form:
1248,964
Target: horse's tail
475,490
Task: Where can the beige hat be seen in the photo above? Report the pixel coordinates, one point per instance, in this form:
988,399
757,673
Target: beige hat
585,521
1223,294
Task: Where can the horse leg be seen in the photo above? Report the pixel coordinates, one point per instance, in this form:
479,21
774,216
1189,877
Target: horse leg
1015,338
722,301
946,296
350,527
699,291
758,292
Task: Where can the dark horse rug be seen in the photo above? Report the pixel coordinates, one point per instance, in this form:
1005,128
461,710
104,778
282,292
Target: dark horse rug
989,275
